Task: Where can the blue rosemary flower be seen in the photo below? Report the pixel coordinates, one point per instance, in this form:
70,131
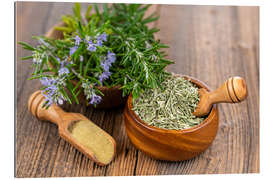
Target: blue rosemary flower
58,60
51,91
111,57
95,99
89,92
63,71
47,82
102,37
91,46
72,50
106,65
77,41
105,75
99,42
43,42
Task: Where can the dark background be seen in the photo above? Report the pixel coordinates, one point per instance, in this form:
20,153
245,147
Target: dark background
211,43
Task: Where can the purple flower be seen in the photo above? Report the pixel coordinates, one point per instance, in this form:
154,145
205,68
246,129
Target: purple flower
95,99
48,98
111,57
58,59
72,50
106,65
102,37
43,42
99,42
105,75
46,81
77,40
63,71
91,46
50,89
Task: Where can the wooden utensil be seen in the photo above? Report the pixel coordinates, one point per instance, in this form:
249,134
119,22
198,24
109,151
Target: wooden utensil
171,145
102,151
231,91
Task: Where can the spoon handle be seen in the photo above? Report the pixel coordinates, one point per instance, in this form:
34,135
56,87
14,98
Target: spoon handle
231,91
53,114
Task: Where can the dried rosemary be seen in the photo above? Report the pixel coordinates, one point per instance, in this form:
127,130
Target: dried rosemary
170,108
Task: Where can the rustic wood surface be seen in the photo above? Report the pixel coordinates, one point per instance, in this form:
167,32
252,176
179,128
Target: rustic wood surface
210,43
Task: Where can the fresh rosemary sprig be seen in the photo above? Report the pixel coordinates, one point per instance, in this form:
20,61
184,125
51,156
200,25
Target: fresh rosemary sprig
170,108
108,48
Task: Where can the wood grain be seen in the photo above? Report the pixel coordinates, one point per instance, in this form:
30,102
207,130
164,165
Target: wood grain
210,43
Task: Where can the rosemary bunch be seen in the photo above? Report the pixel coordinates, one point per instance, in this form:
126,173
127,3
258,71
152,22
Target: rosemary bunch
108,48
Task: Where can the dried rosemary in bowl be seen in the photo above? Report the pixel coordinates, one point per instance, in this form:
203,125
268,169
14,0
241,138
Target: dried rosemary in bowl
170,108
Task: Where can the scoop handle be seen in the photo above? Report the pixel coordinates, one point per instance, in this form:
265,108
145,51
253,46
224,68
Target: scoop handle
233,90
53,114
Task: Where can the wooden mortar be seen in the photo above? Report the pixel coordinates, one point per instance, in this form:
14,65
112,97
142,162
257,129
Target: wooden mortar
171,145
179,145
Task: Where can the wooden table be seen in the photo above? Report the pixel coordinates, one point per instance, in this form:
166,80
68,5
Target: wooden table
210,43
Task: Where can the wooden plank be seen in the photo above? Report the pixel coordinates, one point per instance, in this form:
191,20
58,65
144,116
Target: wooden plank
210,43
209,48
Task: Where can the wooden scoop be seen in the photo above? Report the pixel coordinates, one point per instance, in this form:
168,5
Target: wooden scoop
76,129
232,91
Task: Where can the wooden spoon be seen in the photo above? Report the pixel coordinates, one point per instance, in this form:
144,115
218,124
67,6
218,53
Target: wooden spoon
76,129
231,91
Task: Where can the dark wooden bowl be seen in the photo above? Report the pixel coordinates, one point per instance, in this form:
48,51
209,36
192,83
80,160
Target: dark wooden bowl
112,95
112,98
171,145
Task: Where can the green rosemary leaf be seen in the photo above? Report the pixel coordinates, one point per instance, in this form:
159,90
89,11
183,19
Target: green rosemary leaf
77,85
64,29
105,10
80,29
99,92
39,76
144,8
96,9
27,46
63,92
41,66
81,68
70,88
79,91
77,10
86,67
150,19
27,57
87,13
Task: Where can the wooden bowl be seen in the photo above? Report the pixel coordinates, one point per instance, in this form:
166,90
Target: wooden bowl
112,96
171,145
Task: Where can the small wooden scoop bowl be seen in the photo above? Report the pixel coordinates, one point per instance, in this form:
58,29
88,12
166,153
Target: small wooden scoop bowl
65,121
231,91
